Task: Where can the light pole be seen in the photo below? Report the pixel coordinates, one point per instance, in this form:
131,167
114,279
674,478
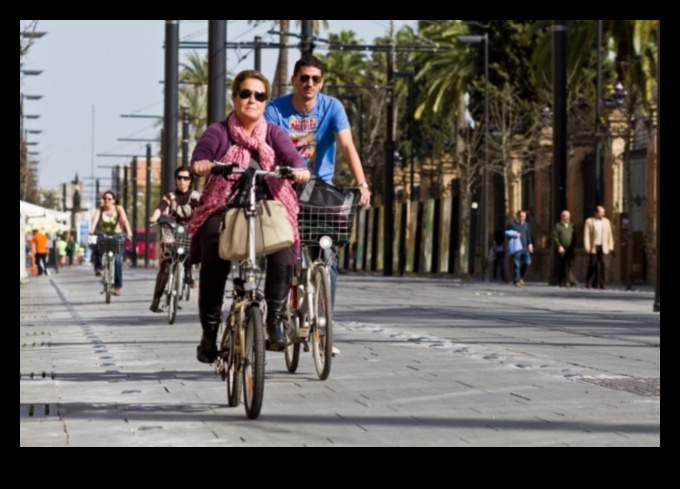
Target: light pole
485,177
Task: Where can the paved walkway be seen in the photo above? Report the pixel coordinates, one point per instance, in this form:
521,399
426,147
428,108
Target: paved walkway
424,362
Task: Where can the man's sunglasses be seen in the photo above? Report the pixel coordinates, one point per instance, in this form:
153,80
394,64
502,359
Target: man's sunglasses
181,177
315,78
245,94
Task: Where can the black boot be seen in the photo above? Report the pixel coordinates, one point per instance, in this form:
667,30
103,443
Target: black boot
206,351
276,291
161,280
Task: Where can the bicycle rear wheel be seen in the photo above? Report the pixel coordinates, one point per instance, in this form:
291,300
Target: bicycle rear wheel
322,324
253,363
231,359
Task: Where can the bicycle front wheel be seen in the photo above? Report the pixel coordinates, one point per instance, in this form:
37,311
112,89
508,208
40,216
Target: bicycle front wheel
292,351
253,363
322,324
108,277
172,295
187,291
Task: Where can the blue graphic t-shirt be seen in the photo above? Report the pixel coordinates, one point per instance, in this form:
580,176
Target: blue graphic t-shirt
312,134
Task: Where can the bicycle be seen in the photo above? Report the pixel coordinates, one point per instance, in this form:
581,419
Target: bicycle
176,243
310,309
109,246
241,348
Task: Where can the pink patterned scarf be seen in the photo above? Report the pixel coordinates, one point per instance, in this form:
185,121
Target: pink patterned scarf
217,189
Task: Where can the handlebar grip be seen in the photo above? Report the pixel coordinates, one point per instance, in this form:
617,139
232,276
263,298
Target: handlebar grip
224,170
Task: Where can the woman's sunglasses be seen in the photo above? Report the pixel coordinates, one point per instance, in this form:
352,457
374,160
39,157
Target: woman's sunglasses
245,94
182,177
315,78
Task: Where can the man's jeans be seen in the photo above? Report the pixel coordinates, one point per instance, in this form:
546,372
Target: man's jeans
521,261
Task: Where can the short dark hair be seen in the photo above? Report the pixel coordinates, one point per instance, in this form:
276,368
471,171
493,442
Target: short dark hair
307,60
181,169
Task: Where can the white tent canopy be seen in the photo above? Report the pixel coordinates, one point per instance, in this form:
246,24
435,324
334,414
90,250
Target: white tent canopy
47,220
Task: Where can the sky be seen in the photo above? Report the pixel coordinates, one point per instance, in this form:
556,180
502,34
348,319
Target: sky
96,71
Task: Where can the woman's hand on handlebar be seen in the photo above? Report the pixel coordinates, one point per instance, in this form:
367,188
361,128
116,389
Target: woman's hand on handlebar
202,167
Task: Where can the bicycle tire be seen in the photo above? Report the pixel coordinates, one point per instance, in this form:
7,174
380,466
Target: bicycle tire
253,363
172,296
179,284
187,292
231,365
322,324
108,279
292,351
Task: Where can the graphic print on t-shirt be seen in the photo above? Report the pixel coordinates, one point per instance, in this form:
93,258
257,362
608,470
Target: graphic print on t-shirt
303,135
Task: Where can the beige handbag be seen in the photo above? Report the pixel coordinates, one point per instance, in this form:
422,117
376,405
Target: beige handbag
272,231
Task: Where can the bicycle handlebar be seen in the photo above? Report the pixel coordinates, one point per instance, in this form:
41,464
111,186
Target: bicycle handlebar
226,169
166,221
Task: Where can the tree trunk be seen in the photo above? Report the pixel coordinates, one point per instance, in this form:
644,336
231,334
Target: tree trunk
281,75
464,199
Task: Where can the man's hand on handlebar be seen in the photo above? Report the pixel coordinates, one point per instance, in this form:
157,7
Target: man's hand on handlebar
300,176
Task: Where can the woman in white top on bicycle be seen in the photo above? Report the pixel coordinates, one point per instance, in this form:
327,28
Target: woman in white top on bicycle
110,218
243,138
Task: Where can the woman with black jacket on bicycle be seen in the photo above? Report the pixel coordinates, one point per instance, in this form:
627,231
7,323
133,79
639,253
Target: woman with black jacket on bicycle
243,138
178,205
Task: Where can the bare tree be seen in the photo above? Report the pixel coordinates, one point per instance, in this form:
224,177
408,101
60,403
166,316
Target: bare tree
514,137
470,161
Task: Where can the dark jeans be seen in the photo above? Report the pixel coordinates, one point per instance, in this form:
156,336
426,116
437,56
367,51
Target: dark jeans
521,260
97,259
41,263
118,271
597,260
565,267
499,265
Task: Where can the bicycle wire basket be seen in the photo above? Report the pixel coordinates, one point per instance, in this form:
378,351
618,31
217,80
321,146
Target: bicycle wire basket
110,243
336,222
173,239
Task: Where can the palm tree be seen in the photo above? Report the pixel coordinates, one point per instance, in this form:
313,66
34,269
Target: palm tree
447,75
281,75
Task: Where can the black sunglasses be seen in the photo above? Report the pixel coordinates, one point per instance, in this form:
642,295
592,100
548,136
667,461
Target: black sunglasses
245,94
315,78
182,177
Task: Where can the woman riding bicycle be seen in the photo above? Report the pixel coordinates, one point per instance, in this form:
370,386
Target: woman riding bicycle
178,205
111,219
243,138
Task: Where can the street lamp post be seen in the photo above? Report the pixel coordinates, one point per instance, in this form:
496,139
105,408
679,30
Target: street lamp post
485,182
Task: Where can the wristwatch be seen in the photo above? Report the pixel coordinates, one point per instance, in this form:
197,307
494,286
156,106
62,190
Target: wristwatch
363,184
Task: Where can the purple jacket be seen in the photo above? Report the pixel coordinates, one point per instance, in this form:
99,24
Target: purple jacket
214,144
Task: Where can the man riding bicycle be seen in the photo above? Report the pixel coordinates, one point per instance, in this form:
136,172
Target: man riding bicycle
315,122
179,205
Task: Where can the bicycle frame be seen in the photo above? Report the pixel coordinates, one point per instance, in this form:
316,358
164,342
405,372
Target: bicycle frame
177,251
241,350
305,288
108,266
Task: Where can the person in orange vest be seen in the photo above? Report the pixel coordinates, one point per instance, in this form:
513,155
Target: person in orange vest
40,241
